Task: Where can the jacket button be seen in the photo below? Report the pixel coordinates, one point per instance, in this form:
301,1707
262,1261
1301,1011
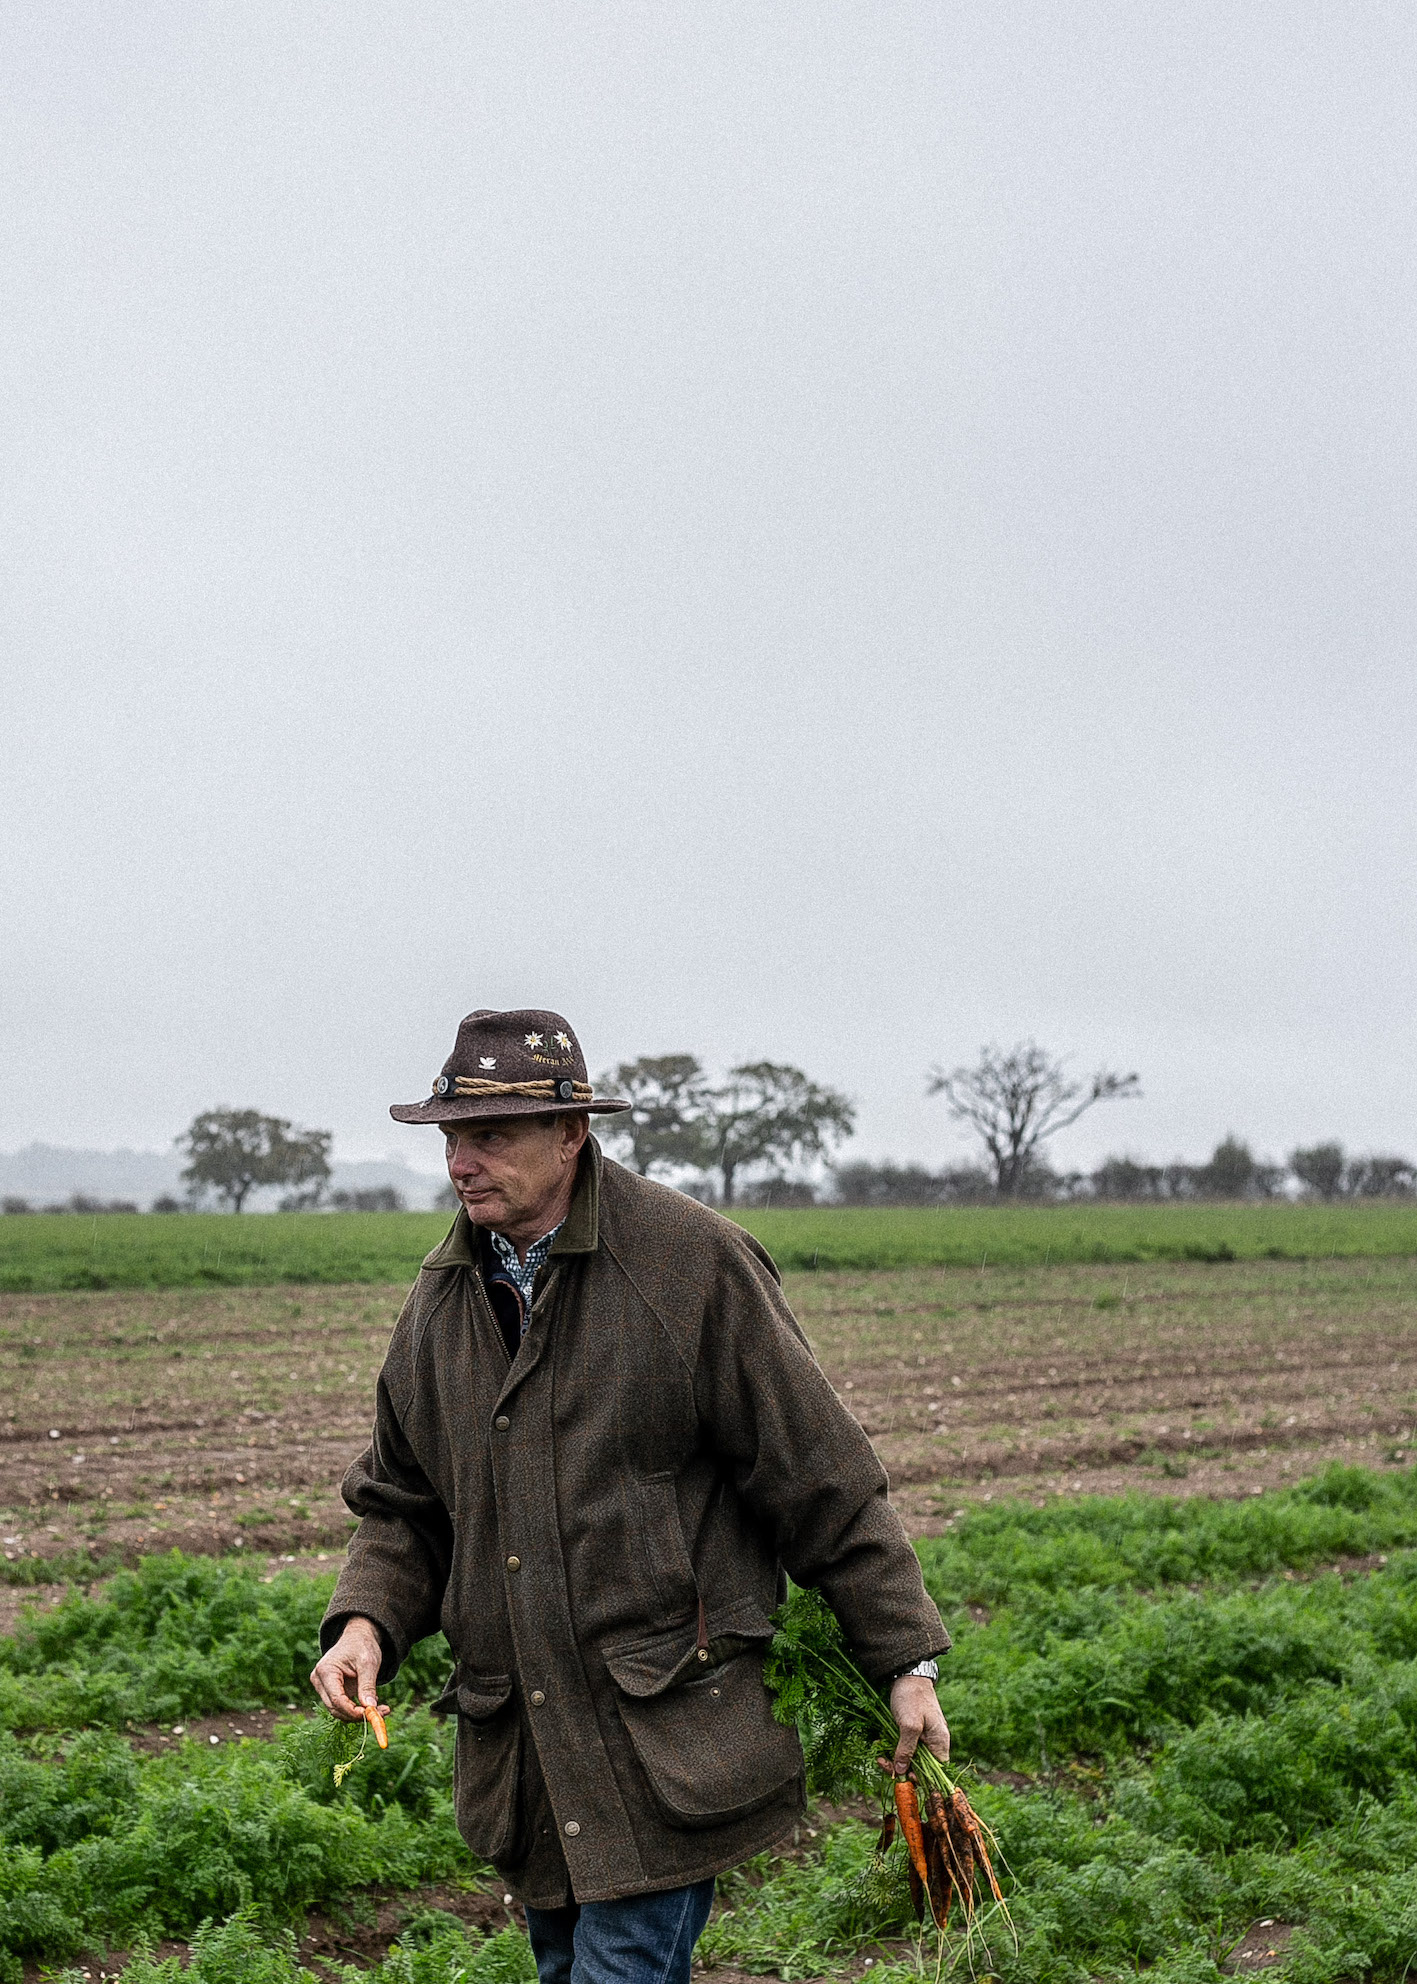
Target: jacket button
703,1653
514,1563
573,1828
537,1698
501,1422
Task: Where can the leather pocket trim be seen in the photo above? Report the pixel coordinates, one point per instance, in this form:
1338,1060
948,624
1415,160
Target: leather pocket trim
650,1664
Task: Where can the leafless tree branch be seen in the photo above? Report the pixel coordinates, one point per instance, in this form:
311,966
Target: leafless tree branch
1015,1101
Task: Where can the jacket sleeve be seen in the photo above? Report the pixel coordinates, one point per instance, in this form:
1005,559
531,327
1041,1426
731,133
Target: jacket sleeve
807,1470
399,1557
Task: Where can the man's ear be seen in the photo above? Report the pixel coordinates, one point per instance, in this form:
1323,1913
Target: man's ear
574,1131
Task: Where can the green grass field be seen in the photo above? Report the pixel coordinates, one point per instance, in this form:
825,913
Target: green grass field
1194,1728
40,1251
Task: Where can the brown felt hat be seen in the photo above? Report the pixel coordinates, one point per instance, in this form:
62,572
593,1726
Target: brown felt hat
509,1064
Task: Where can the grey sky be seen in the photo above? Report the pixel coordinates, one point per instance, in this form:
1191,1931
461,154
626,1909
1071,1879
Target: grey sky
834,533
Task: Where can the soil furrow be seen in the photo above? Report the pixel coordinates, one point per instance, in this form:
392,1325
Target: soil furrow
225,1418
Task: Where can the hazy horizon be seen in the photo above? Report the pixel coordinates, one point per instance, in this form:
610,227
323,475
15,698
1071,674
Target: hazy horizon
834,537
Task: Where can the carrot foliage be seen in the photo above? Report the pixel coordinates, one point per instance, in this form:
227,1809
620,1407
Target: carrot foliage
816,1686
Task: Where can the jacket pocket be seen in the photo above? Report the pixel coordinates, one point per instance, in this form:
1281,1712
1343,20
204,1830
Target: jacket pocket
487,1765
709,1745
662,1547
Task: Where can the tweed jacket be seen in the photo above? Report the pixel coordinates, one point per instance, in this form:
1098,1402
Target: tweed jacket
601,1526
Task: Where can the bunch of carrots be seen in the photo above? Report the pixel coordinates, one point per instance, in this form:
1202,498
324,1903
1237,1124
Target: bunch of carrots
948,1848
845,1722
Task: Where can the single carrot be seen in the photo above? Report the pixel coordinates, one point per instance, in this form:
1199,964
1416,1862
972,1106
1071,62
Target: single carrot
937,1834
907,1807
380,1728
939,1886
968,1821
887,1838
982,1850
959,1852
917,1892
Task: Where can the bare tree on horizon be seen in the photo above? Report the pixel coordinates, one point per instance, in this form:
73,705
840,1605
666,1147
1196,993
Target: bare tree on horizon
1015,1101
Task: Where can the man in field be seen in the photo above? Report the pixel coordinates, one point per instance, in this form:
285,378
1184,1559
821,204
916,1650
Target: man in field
600,1446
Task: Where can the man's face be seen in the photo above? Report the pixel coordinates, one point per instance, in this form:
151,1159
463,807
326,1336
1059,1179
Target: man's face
508,1169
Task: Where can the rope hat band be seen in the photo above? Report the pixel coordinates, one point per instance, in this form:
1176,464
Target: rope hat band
524,1063
564,1090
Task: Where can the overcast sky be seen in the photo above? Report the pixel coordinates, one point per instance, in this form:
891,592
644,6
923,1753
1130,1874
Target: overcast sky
835,533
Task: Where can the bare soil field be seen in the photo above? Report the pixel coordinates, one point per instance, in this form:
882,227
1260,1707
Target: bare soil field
214,1421
217,1420
1181,1377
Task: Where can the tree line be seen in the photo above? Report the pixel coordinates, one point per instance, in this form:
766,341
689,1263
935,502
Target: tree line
1232,1172
738,1139
765,1118
230,1154
762,1115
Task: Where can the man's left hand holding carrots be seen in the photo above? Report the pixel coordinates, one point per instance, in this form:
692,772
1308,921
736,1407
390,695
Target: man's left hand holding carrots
916,1709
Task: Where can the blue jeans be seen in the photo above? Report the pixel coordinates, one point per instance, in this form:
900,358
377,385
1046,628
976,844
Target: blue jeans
645,1939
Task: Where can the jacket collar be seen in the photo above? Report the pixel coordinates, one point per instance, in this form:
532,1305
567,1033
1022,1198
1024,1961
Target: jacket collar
580,1231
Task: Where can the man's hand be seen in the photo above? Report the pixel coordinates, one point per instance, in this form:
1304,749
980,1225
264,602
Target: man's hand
347,1678
915,1708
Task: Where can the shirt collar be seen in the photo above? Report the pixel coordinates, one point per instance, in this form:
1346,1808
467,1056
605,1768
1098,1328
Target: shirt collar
535,1254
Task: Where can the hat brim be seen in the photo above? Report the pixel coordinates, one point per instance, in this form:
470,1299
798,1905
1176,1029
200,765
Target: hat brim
464,1108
